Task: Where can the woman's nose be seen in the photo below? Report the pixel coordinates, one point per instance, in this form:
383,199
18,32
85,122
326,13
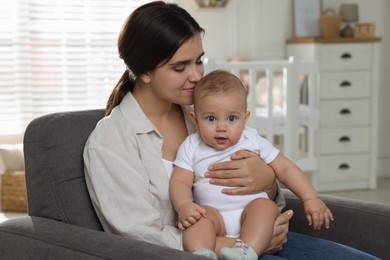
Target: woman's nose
196,73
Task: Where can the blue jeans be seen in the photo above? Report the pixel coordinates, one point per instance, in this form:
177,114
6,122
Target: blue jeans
303,247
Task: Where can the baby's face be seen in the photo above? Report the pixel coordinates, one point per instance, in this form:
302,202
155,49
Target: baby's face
220,119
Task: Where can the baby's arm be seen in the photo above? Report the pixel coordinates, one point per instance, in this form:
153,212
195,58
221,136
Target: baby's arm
180,192
294,179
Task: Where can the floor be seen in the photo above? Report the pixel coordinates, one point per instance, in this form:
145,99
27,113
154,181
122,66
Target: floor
381,194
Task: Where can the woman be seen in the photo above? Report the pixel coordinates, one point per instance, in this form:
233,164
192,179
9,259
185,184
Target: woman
128,157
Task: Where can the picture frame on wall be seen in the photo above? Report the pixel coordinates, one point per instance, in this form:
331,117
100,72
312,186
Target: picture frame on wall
306,15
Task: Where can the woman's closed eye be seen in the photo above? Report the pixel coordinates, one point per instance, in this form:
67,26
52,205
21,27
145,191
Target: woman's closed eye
179,69
181,66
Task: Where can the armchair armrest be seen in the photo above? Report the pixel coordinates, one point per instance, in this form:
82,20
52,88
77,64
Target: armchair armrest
42,238
359,224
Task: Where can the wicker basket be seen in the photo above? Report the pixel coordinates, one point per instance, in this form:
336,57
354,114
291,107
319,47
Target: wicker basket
330,24
13,191
364,30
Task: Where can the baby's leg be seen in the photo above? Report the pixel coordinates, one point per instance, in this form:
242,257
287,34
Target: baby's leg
203,234
257,223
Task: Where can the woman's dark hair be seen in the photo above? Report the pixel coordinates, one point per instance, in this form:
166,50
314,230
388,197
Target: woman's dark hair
150,36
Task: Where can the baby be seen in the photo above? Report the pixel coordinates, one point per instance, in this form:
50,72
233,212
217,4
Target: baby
205,213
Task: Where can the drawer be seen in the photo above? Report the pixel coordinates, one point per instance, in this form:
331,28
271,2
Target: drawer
345,85
345,112
344,167
335,57
344,140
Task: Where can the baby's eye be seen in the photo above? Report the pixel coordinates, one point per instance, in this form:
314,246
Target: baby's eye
231,118
211,118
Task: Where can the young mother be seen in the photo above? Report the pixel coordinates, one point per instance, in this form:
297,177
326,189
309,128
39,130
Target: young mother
128,157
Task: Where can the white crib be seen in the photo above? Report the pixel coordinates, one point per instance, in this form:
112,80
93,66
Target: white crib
282,103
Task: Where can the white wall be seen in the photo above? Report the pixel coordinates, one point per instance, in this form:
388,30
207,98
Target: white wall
247,29
384,118
258,29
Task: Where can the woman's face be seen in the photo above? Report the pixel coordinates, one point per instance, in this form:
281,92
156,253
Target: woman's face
175,80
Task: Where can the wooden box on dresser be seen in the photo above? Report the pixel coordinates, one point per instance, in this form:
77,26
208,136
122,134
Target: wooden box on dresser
347,99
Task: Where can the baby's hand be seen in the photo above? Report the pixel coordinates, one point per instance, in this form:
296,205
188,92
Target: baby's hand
317,213
189,213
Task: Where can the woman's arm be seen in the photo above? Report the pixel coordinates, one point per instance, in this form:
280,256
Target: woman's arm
124,199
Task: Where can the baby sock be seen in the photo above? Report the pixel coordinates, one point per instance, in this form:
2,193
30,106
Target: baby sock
240,251
206,253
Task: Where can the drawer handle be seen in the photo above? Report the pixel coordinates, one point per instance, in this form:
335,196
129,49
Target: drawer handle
344,139
344,166
346,56
345,83
345,111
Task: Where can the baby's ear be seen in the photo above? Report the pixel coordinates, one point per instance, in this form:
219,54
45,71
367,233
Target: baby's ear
247,116
194,119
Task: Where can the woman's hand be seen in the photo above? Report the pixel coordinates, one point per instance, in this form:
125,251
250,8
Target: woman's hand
279,237
246,172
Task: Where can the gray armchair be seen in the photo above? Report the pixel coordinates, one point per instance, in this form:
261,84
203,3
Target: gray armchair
62,223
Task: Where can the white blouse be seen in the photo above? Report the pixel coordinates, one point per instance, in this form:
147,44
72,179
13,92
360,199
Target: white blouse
168,167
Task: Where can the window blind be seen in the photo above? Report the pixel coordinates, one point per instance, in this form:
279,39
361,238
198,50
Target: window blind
57,56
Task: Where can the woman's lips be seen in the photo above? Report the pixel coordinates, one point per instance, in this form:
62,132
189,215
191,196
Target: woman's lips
189,90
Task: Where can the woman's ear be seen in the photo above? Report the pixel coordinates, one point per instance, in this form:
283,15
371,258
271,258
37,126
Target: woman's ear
145,77
194,119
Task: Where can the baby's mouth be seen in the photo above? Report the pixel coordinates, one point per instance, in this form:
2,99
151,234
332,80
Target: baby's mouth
221,140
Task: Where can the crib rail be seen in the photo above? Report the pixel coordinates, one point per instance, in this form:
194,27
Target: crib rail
298,83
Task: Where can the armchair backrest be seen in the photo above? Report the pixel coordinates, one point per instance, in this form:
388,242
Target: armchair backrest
53,150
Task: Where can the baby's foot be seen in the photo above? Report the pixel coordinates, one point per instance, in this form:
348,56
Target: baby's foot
240,251
206,253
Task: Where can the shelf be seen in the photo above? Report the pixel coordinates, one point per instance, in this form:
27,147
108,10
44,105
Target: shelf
332,40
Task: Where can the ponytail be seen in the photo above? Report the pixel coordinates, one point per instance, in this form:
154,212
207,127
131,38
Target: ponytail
124,85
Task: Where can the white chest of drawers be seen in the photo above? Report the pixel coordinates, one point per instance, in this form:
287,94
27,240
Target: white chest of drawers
347,98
